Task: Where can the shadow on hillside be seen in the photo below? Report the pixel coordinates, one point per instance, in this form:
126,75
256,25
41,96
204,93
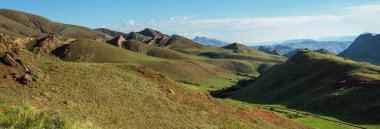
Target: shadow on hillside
229,92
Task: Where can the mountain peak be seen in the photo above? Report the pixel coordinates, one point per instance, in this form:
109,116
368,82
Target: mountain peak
151,33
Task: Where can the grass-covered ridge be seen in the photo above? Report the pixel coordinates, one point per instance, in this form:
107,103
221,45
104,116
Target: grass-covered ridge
322,84
23,24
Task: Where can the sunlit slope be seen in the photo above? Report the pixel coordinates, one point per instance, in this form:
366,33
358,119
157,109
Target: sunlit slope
24,24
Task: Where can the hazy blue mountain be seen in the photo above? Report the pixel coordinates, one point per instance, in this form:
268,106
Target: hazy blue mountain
270,50
210,42
366,48
339,38
295,41
292,45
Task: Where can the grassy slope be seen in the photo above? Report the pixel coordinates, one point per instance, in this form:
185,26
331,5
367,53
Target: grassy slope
19,23
220,53
197,72
125,96
27,117
250,67
306,82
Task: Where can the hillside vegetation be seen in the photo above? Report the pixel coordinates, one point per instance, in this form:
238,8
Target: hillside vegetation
322,84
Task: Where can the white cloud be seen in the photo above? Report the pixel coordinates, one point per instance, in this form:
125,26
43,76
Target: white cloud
345,21
362,9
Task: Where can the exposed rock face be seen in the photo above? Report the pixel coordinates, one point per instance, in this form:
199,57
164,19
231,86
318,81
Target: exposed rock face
118,41
49,43
10,56
143,40
9,59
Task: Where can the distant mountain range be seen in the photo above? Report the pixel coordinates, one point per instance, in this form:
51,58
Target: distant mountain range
366,48
209,42
338,38
292,45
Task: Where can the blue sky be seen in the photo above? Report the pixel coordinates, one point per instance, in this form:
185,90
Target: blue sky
245,21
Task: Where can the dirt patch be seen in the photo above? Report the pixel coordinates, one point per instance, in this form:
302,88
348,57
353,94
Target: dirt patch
243,116
2,110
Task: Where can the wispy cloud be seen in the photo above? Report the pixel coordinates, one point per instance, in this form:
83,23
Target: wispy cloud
346,20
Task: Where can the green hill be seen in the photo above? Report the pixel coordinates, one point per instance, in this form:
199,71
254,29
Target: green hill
222,53
110,95
23,24
180,48
365,49
203,72
322,84
157,44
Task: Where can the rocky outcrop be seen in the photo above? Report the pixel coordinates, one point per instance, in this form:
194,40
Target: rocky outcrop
49,43
10,56
118,41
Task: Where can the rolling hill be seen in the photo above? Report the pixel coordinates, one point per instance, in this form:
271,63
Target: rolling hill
204,72
108,95
320,83
24,24
365,49
288,46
